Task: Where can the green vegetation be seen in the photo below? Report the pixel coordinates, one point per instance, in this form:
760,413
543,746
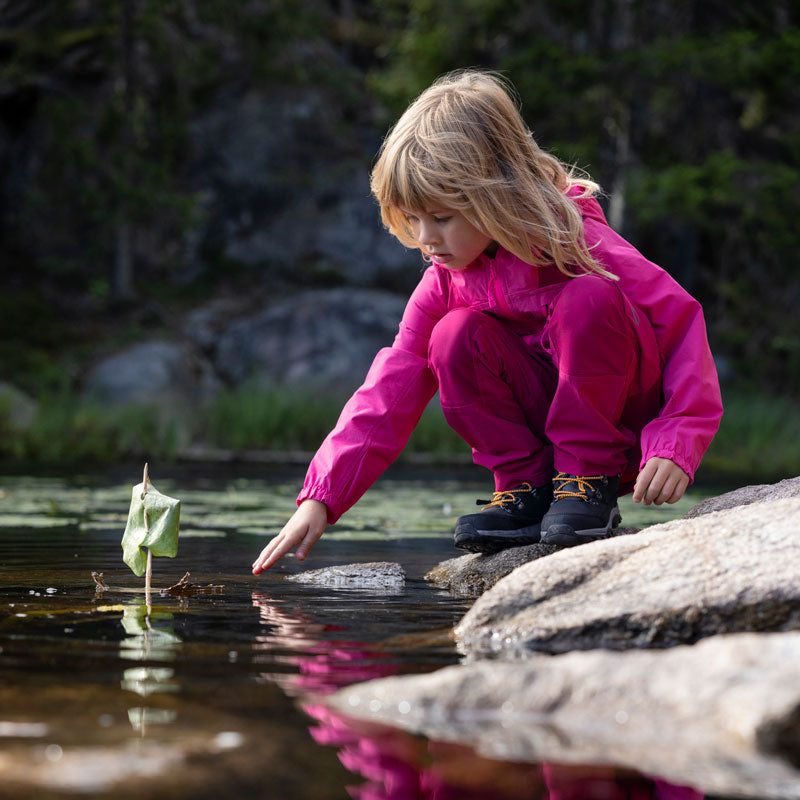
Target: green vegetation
249,419
687,115
757,440
68,430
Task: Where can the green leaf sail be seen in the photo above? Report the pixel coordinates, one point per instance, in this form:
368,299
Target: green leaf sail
163,519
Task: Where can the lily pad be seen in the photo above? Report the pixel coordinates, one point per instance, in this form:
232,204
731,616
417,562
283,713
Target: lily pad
202,533
35,521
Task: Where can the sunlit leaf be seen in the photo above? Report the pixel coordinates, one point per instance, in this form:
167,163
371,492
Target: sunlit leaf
160,535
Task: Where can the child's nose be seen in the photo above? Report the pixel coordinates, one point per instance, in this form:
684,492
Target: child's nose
428,235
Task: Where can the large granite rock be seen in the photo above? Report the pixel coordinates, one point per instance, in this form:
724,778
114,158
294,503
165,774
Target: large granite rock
746,495
323,339
153,372
673,583
473,574
721,715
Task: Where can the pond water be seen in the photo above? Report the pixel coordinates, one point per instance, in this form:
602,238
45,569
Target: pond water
218,695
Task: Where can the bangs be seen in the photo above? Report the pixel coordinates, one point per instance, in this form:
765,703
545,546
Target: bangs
408,178
413,182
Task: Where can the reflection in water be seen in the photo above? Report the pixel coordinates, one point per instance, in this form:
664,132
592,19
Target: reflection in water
140,717
323,665
148,640
148,680
398,766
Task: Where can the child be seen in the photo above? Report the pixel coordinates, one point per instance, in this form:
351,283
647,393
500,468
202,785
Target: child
563,357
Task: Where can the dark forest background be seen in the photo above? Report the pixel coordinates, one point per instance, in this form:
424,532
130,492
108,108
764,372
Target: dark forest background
126,198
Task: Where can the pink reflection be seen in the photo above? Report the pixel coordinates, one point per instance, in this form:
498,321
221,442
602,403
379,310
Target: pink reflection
323,666
572,782
399,766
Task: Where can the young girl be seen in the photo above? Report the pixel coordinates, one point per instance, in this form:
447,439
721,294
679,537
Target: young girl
575,368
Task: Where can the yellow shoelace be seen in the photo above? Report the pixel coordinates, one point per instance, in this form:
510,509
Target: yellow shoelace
508,496
584,487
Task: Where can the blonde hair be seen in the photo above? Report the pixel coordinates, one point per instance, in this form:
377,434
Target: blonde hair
462,144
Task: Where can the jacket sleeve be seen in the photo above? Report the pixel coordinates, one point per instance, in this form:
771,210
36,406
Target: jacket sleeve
377,421
691,403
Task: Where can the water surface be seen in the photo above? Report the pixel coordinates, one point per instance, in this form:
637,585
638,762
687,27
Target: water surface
217,695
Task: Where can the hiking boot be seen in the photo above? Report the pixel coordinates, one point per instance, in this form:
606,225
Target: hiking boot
510,519
584,509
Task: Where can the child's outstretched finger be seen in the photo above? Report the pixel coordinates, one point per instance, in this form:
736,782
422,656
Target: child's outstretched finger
274,552
308,542
279,546
302,531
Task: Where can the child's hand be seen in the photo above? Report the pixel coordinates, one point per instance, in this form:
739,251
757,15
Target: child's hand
660,481
302,530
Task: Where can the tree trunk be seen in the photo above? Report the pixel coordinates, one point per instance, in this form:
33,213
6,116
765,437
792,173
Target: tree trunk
121,282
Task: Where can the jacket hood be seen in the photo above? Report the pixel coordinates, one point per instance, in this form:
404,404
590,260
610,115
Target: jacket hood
590,208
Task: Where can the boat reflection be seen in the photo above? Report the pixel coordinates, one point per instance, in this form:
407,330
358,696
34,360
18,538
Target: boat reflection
148,638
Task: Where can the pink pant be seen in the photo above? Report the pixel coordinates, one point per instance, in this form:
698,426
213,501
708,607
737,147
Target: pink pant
574,399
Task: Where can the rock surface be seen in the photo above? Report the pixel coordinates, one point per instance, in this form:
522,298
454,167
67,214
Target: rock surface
319,338
158,372
322,339
720,715
673,583
745,496
473,574
384,575
285,187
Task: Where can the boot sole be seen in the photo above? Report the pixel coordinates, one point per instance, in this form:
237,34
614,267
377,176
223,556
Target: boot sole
565,536
470,538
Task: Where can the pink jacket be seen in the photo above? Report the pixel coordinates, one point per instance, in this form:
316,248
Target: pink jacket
377,421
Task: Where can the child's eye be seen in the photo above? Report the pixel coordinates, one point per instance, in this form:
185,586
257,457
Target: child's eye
441,220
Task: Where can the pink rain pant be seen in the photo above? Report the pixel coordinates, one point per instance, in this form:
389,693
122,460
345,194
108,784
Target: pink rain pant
574,400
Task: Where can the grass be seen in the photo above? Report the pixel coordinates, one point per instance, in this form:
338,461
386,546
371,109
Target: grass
759,436
757,439
68,430
249,419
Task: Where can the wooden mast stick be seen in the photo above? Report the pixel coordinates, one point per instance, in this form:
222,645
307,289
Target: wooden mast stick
149,572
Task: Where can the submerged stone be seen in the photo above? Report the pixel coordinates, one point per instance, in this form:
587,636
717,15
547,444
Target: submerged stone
372,575
720,716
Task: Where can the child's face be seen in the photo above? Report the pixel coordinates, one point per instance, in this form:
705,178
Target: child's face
447,236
